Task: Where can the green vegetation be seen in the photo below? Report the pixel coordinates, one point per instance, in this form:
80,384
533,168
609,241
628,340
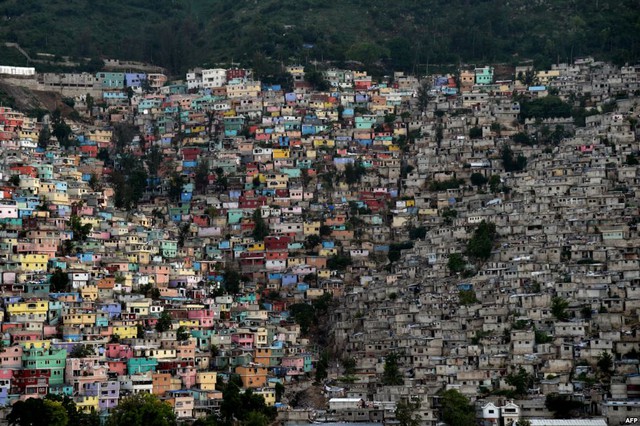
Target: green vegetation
520,380
563,407
59,280
142,409
395,250
306,314
559,308
417,233
177,34
467,297
452,183
455,409
406,412
510,163
52,410
391,375
164,322
260,228
481,243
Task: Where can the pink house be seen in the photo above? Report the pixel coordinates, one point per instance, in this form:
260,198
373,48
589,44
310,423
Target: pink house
11,357
187,375
117,367
119,351
295,365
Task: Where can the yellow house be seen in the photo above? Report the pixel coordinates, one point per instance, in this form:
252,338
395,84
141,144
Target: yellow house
85,319
295,261
257,246
125,331
323,273
35,307
269,395
33,262
89,292
328,252
86,404
37,344
277,181
312,228
327,143
207,380
187,324
280,153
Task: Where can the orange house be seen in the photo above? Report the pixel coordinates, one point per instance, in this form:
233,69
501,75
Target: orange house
252,377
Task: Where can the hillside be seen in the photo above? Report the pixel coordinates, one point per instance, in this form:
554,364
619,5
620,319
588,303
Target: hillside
404,34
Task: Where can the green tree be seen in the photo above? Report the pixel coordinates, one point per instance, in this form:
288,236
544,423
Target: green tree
44,136
563,407
182,333
520,380
559,308
391,375
467,297
456,263
164,322
475,133
260,227
478,179
481,243
406,412
231,281
417,233
510,163
80,231
494,183
201,176
81,351
605,363
176,183
349,365
59,281
142,410
456,409
312,241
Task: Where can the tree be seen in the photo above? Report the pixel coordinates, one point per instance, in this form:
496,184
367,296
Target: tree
176,183
14,180
417,233
61,130
231,281
456,409
562,406
123,134
260,227
142,410
164,322
481,243
467,297
494,183
605,363
559,308
406,412
321,366
391,375
520,380
456,263
80,231
478,179
349,365
510,164
312,241
201,177
153,160
44,136
182,333
475,133
94,182
90,102
59,281
81,351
